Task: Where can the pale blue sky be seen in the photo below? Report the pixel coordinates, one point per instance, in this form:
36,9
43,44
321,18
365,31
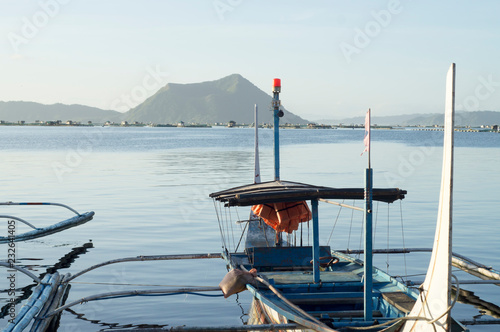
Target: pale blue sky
335,58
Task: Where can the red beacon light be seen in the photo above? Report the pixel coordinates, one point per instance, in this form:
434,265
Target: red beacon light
277,85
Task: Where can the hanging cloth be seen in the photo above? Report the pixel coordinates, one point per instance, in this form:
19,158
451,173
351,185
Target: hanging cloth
283,217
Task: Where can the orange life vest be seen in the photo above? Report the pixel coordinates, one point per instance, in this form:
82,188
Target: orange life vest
283,217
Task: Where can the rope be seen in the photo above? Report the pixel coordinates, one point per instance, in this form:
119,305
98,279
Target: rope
457,293
231,225
395,321
178,293
301,233
308,237
361,237
219,222
263,226
350,227
318,325
429,321
335,224
375,225
241,237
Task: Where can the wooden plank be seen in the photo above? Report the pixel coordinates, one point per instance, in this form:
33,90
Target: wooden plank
345,313
399,300
303,278
339,300
323,295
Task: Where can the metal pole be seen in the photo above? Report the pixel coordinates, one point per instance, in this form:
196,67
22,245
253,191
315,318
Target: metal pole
368,266
276,115
256,163
314,208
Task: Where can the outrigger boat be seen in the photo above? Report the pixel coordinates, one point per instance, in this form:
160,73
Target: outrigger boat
297,287
325,290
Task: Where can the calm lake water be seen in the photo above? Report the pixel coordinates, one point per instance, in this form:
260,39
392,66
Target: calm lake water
149,189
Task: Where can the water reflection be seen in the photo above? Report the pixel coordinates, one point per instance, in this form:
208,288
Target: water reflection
63,262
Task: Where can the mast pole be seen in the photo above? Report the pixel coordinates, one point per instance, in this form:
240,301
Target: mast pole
256,178
368,266
277,114
316,272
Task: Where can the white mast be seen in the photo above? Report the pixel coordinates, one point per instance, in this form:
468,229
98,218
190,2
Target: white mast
434,301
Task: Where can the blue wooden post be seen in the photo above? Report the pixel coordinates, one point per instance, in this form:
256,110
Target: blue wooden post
368,266
314,208
276,111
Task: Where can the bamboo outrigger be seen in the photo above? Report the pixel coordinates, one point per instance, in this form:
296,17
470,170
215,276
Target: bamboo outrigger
38,232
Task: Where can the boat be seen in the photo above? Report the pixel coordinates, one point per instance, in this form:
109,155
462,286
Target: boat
321,289
297,287
38,232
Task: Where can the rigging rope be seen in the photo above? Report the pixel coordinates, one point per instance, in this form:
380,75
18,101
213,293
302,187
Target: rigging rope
241,237
408,318
350,227
308,232
301,234
263,227
375,225
335,224
231,225
361,238
220,227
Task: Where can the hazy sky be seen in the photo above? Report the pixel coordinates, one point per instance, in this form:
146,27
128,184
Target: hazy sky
335,58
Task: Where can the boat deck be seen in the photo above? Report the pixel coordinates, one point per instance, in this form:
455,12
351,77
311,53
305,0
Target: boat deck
337,299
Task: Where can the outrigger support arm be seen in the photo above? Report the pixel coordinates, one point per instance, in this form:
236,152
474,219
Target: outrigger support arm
18,219
39,203
146,258
20,269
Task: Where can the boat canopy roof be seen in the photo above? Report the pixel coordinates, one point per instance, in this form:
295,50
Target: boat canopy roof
287,191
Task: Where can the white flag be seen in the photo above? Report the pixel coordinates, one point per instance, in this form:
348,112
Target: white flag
367,133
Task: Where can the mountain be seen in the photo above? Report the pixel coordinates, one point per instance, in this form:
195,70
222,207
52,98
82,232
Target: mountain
473,119
229,98
13,111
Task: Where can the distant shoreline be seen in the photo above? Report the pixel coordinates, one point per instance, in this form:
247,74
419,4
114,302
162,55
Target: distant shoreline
494,128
